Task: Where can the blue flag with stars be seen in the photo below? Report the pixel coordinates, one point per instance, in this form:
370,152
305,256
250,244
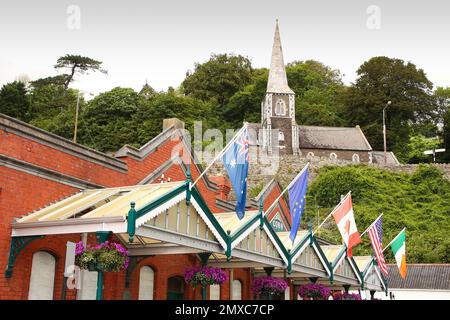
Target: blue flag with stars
235,161
297,201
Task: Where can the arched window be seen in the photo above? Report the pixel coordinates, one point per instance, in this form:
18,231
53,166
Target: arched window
214,292
88,285
333,156
280,136
42,279
175,288
146,283
237,290
280,108
310,155
355,158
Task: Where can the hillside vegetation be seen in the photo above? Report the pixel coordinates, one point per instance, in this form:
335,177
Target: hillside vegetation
419,201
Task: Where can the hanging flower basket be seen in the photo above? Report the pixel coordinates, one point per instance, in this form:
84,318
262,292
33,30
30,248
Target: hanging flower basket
346,296
204,276
106,257
269,285
314,291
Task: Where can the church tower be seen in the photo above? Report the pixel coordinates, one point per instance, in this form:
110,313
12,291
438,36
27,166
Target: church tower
278,106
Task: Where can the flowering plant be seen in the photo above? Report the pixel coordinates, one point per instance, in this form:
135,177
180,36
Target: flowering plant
268,285
107,256
204,276
346,296
315,291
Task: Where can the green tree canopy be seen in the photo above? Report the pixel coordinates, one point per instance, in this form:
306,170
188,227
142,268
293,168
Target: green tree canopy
383,79
107,121
77,64
218,78
14,101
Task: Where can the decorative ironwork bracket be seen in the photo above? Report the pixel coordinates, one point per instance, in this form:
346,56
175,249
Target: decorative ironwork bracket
17,245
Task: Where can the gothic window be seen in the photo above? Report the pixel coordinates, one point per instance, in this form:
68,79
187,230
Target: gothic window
280,108
146,282
333,156
355,158
42,280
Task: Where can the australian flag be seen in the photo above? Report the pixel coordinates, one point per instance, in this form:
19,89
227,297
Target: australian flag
297,201
235,160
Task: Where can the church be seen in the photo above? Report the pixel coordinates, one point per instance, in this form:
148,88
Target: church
279,132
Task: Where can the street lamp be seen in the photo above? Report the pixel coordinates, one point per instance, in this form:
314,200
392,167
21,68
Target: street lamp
384,130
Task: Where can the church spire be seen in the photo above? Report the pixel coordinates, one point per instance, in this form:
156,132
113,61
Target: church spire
277,75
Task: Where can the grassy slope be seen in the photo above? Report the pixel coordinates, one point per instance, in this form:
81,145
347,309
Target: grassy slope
420,202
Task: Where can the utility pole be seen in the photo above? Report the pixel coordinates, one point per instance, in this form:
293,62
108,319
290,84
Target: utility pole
384,131
76,118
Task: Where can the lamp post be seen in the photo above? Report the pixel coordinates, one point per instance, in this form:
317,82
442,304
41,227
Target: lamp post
384,130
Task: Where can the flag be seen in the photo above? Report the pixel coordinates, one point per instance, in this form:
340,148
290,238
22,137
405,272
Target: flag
235,161
297,201
398,247
375,235
343,215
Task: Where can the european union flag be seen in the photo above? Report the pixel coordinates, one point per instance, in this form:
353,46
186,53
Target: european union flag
297,201
235,161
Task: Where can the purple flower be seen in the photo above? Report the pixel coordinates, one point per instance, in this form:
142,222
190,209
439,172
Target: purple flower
346,296
314,290
269,285
79,248
204,276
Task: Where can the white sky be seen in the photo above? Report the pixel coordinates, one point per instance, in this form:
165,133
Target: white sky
159,41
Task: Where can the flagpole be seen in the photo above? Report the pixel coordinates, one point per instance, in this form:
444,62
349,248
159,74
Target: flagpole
329,215
371,225
219,155
290,184
394,239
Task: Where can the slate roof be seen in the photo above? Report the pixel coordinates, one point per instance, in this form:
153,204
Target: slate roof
391,159
420,276
333,138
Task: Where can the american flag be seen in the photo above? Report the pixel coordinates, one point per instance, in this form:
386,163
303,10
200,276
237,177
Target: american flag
375,235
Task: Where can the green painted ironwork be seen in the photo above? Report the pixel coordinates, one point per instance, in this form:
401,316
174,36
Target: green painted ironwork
102,236
204,256
188,184
16,247
131,222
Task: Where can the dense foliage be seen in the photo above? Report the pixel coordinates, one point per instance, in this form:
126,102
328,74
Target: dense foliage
226,90
419,201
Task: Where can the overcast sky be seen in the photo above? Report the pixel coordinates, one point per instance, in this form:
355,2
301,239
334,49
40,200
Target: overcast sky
159,41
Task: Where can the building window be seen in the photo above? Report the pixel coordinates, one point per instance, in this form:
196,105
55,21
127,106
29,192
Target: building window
355,158
175,288
88,285
333,156
237,290
310,155
42,280
214,292
146,283
280,136
280,108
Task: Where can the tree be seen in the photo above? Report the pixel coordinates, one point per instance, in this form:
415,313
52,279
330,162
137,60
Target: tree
383,79
318,90
77,64
107,122
14,101
218,78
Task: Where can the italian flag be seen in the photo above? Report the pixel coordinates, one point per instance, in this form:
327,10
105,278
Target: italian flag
399,250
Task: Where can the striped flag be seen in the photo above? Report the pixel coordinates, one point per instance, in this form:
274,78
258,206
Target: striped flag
398,248
375,235
343,215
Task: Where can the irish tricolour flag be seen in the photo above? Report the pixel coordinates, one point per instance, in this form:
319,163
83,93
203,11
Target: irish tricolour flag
399,250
